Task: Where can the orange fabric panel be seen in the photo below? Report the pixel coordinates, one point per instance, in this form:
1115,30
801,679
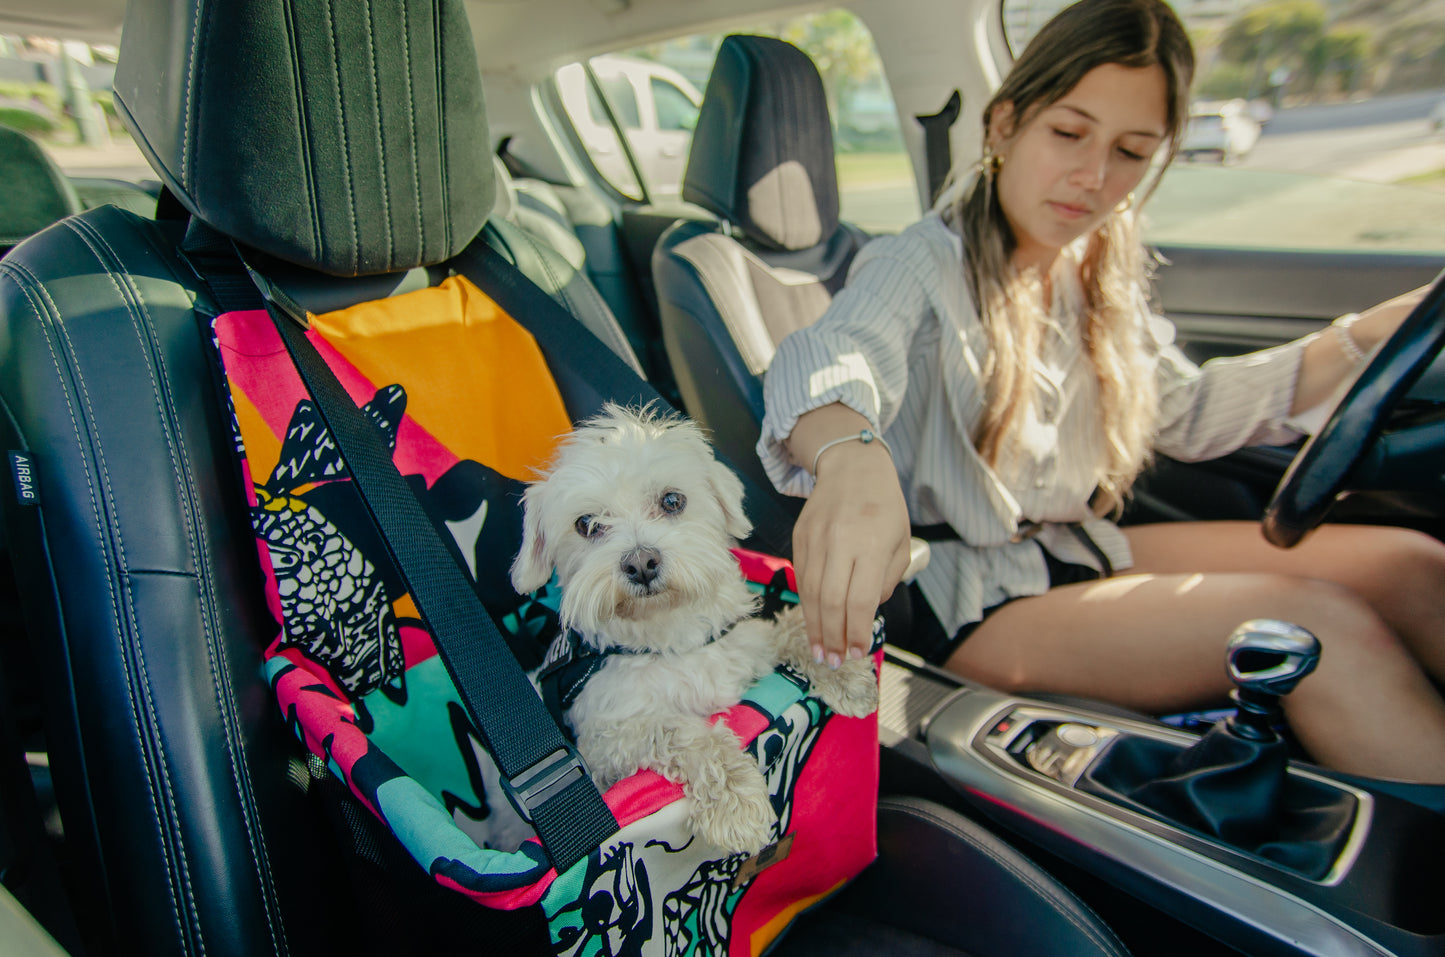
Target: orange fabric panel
489,396
263,447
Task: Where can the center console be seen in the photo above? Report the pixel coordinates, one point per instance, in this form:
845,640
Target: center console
1335,867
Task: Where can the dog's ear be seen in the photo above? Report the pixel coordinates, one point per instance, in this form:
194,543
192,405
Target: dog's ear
532,568
727,488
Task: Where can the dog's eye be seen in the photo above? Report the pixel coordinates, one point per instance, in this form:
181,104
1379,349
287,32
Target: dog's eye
673,502
589,527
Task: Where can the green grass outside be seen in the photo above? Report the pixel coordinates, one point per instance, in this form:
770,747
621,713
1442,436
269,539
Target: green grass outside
1432,180
874,169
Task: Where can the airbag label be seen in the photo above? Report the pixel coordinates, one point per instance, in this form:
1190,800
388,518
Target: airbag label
22,468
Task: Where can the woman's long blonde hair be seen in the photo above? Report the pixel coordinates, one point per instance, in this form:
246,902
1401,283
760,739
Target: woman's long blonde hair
1090,33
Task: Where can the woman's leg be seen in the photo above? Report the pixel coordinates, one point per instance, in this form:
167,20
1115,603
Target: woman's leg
1400,573
1157,643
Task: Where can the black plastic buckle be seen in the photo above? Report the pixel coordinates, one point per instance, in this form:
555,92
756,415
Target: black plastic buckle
544,780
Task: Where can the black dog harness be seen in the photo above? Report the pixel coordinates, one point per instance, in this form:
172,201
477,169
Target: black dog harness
570,664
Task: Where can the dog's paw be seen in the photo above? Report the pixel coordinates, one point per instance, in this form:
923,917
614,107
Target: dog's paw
731,809
850,690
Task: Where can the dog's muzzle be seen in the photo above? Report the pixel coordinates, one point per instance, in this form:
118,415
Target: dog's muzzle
641,566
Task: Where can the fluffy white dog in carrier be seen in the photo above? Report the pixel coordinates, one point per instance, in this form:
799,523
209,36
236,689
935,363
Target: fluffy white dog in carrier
659,626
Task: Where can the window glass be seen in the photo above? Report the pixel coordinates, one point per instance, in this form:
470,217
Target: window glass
675,109
621,98
876,185
593,127
58,93
1314,125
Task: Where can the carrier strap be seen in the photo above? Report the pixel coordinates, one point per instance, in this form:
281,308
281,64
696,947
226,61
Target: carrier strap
569,346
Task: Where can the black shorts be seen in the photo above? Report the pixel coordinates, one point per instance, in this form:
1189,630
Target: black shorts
927,639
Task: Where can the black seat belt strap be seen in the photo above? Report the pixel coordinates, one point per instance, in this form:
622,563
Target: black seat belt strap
937,149
568,345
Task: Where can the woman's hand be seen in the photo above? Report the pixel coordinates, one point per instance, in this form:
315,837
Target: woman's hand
851,542
1326,361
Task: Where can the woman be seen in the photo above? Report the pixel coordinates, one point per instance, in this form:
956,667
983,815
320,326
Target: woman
1004,350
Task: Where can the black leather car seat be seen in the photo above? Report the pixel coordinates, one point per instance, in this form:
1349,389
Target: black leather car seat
193,821
36,192
729,291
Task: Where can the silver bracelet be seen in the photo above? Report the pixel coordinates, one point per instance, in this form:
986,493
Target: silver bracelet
866,436
1348,345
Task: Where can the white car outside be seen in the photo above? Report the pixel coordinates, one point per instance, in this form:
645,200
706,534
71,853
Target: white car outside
656,106
1221,131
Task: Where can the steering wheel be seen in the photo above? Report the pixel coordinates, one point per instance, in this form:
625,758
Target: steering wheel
1350,452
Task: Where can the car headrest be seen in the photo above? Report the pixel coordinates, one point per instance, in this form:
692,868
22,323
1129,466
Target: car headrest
346,138
36,192
762,152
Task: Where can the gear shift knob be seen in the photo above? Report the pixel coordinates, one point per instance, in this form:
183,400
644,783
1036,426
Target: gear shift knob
1266,660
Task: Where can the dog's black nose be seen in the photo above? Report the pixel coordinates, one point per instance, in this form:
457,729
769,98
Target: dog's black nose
641,565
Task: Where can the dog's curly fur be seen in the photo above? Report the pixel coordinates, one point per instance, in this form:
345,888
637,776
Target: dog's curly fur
637,517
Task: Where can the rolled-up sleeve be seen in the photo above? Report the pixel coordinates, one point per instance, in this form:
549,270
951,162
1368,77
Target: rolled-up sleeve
1228,403
856,354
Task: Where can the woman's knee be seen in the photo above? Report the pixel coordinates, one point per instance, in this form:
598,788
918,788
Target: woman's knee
1405,565
1350,630
1308,602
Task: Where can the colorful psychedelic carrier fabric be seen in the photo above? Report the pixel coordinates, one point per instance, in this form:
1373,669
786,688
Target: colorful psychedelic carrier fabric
462,395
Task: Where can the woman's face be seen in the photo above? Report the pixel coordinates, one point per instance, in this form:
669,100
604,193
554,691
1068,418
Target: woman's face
1072,162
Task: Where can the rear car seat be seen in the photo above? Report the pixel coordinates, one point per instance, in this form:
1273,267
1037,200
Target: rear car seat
36,192
729,291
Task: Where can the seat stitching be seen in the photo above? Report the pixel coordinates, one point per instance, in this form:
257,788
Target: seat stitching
345,141
117,599
442,154
380,137
303,111
142,674
196,534
192,75
1108,943
411,120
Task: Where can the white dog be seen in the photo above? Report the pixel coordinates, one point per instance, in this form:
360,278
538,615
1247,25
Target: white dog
637,518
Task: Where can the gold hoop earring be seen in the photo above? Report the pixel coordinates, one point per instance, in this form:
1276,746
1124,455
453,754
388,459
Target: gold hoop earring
991,162
1126,205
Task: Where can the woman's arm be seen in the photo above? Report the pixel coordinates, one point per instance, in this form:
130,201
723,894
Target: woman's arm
1209,411
1327,360
851,542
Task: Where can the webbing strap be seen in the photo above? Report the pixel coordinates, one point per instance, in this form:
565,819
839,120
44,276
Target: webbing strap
569,346
937,147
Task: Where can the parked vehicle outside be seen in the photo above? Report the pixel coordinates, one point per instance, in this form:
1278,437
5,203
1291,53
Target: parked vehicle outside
1224,132
657,108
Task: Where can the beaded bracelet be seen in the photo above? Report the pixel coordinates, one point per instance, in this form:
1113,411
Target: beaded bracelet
866,436
1348,345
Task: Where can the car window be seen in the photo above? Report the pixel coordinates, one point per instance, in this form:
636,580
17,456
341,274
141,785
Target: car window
1314,125
620,97
675,109
876,184
58,93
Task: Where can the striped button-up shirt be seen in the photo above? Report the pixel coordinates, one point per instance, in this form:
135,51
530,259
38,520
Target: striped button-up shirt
903,345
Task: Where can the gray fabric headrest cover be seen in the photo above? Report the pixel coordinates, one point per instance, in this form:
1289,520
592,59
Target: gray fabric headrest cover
346,137
762,153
